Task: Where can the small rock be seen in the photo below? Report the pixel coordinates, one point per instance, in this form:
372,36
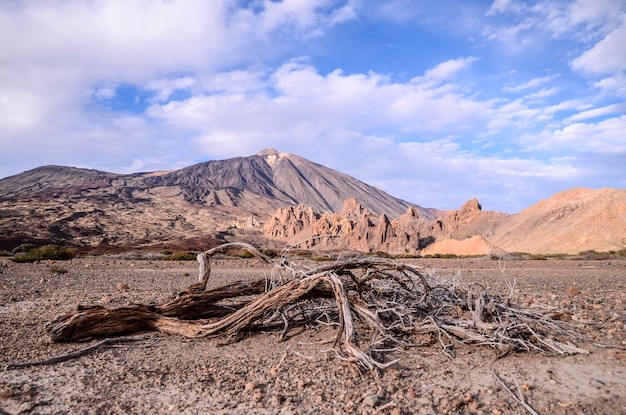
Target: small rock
106,299
424,401
396,411
572,291
122,287
457,403
410,393
371,400
250,386
6,393
596,383
439,392
258,395
300,384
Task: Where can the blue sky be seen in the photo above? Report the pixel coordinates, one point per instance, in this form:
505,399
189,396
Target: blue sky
434,102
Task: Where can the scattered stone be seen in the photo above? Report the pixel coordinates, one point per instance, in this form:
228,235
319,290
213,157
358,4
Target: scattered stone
572,291
410,393
371,400
257,396
122,287
251,385
6,393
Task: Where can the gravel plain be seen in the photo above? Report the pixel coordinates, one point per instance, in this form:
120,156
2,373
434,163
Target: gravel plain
260,374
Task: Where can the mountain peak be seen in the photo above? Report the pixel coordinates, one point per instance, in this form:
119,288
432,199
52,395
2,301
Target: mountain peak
269,151
271,155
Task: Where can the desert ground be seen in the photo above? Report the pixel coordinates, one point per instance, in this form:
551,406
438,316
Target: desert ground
260,374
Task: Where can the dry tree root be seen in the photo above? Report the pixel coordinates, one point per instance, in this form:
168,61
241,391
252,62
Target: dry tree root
387,303
108,342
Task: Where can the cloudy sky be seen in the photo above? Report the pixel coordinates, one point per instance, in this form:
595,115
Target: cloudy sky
436,102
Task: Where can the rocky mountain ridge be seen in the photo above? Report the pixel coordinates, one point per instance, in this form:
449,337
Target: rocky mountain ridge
83,207
279,198
568,222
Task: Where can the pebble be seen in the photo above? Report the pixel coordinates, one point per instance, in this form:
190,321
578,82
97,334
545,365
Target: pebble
122,287
252,385
410,393
371,400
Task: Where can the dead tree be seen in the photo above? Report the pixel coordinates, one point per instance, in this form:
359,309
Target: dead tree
375,303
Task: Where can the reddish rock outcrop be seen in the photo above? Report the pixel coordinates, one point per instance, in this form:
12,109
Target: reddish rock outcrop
353,228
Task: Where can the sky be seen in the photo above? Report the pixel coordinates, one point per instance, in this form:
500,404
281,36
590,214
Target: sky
436,103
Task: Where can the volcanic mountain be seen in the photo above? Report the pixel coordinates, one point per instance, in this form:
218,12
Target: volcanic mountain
273,198
87,207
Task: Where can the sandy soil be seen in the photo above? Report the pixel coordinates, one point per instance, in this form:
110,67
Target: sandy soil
302,375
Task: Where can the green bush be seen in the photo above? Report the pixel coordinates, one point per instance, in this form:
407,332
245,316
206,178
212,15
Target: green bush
23,248
407,256
57,270
181,256
246,255
270,253
51,252
321,258
381,254
4,253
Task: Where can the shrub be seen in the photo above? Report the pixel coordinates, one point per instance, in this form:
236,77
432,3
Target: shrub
52,252
4,253
181,256
23,248
320,258
407,256
381,254
270,253
246,255
57,270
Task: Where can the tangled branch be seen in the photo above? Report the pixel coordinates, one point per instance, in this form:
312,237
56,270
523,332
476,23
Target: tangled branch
377,305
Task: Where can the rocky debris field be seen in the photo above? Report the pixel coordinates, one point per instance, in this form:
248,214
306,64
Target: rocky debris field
260,374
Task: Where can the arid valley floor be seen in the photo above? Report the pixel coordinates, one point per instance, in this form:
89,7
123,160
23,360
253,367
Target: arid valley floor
302,375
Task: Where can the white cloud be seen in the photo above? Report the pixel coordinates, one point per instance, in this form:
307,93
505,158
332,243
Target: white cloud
613,85
299,96
447,69
504,6
599,112
533,83
543,93
606,136
164,87
606,56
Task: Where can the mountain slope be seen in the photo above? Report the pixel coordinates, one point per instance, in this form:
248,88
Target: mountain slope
568,222
90,207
